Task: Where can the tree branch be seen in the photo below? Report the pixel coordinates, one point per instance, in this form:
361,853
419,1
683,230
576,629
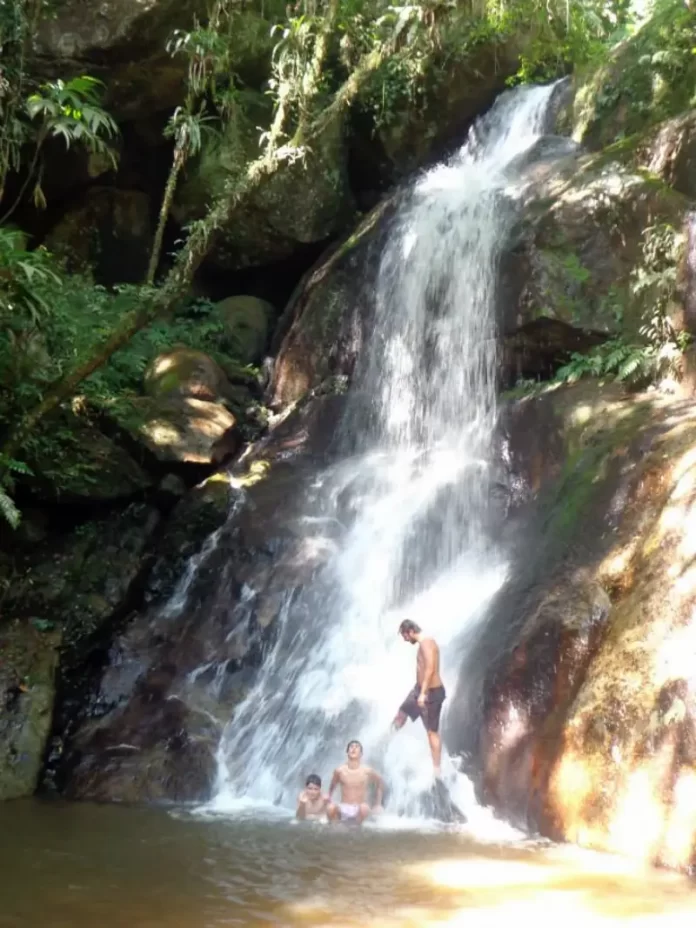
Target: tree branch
178,281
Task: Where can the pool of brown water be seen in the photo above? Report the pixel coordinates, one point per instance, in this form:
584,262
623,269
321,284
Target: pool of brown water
85,866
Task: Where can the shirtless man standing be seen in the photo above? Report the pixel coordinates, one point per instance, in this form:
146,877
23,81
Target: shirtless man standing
427,696
355,780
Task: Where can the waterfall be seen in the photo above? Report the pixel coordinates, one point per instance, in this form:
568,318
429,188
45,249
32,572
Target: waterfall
409,498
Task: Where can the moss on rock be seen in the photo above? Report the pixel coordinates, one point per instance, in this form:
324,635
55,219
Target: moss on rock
648,77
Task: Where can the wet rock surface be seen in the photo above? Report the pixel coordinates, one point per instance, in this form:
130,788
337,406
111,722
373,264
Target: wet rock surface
586,706
142,717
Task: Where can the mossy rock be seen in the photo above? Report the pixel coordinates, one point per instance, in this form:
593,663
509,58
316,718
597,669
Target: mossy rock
246,321
647,78
584,256
72,460
78,580
304,201
185,372
180,429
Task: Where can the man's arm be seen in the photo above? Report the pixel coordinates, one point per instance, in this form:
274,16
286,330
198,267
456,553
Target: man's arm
429,669
335,780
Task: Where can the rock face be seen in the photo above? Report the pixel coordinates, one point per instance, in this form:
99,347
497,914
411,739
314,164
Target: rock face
305,202
587,726
167,685
124,39
108,232
28,662
580,268
325,324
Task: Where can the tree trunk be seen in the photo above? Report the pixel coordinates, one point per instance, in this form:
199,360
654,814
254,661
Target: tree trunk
178,162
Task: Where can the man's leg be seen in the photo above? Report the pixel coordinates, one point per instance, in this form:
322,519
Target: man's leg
363,813
431,720
333,813
400,720
436,750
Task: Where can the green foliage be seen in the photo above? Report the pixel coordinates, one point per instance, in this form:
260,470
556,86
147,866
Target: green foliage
8,467
649,76
30,114
653,282
71,110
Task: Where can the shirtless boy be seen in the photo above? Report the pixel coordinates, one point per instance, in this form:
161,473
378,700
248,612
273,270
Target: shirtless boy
427,696
355,780
312,804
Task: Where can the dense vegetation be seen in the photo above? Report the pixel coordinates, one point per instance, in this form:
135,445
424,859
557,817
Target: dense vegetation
63,334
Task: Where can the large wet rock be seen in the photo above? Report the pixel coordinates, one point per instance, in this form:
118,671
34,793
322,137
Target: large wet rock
584,252
141,719
28,662
587,700
323,329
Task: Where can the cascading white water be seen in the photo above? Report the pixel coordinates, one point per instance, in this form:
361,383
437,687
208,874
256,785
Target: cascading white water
412,495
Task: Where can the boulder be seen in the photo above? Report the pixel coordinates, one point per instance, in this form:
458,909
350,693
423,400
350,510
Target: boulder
28,662
78,463
324,326
181,429
185,372
305,201
123,42
247,321
107,232
585,255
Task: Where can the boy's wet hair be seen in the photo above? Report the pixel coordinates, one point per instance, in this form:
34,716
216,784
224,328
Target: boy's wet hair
408,625
351,743
313,780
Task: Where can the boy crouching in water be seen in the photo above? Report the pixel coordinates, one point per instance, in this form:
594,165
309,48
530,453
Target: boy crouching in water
355,780
312,804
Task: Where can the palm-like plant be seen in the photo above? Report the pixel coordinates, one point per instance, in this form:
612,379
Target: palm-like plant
68,110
